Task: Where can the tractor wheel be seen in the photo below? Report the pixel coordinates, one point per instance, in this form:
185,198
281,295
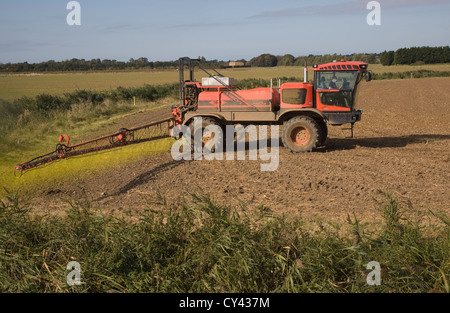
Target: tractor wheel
206,136
301,134
323,132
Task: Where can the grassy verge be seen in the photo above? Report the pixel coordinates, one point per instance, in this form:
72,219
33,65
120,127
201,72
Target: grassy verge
199,246
410,74
44,106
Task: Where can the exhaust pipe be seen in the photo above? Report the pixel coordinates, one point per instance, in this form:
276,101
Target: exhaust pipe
305,72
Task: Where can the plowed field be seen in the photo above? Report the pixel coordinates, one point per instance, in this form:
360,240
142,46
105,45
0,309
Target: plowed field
401,147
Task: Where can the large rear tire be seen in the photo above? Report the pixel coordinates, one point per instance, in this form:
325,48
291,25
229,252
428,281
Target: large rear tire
301,134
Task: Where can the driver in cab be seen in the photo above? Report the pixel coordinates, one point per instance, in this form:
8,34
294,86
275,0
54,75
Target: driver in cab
332,84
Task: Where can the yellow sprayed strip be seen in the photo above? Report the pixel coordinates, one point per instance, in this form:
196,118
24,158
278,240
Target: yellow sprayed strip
74,168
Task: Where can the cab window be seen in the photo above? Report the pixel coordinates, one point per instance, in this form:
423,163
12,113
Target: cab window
336,80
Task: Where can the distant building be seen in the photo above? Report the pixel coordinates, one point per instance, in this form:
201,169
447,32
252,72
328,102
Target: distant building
236,64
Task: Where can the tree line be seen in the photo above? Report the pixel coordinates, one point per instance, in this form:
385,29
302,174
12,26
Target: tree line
416,55
81,65
86,65
264,60
269,60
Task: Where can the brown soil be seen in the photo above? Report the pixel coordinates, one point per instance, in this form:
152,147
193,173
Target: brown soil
401,146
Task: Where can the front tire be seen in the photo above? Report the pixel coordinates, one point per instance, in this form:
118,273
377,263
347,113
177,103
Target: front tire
301,134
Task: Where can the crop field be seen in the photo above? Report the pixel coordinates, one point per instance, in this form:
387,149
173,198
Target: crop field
14,86
405,112
401,148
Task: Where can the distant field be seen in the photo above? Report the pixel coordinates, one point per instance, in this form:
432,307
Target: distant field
13,86
18,85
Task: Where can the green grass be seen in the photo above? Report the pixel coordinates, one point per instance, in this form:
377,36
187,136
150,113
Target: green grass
410,74
199,246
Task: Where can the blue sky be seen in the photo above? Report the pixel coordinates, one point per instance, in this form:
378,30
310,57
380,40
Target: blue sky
36,31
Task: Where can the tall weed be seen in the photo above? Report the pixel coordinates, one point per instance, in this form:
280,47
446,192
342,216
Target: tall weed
199,246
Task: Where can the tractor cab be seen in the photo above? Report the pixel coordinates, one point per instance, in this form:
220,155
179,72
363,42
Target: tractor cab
336,85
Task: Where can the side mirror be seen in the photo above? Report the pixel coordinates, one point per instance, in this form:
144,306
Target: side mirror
368,76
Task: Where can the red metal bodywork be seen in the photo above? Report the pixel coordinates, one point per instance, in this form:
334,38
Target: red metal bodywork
222,98
341,66
263,99
308,103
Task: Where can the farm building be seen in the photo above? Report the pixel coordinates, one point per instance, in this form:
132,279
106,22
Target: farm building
236,64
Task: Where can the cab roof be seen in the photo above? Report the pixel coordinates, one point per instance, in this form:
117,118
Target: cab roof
341,66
